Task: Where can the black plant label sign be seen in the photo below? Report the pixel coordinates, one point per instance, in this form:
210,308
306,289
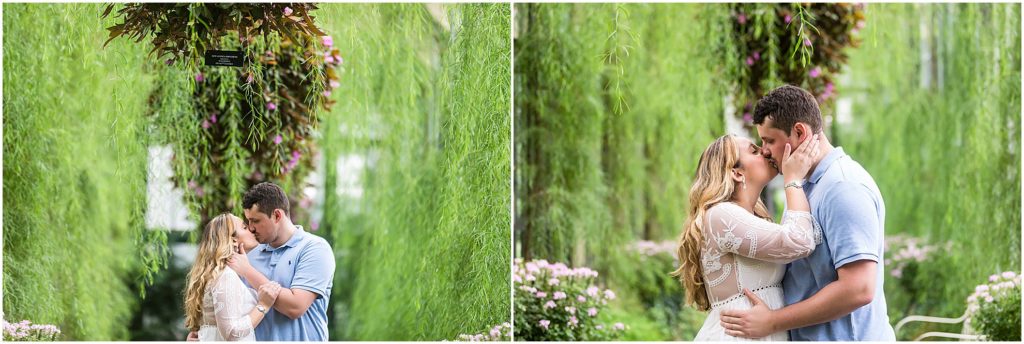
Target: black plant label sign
226,58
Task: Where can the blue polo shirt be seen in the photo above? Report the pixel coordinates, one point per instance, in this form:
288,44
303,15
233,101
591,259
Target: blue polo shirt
845,201
305,262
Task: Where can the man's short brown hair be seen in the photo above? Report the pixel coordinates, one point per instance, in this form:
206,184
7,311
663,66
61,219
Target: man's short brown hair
786,105
268,196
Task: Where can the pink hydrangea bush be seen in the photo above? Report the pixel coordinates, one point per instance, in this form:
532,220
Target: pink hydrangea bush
25,331
652,249
904,252
557,303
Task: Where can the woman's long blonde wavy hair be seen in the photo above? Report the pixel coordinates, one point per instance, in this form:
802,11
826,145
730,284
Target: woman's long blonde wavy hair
712,184
215,248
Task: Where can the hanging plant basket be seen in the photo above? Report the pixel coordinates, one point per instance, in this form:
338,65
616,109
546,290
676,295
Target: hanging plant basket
796,44
233,127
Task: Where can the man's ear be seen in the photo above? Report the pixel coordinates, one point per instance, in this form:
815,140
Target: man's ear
802,132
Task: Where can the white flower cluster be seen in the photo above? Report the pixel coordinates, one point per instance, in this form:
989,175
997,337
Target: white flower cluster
26,331
998,285
500,333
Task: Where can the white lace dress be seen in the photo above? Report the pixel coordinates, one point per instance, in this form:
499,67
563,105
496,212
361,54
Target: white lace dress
741,251
226,307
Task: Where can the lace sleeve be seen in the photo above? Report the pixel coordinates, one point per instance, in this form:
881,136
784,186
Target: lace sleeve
229,307
734,229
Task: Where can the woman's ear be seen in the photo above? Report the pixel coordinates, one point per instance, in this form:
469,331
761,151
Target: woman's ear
737,175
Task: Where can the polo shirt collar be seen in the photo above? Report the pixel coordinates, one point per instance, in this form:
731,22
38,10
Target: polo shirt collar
825,163
296,238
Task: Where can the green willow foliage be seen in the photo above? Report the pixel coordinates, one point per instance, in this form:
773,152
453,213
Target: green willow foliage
423,252
944,149
74,145
614,104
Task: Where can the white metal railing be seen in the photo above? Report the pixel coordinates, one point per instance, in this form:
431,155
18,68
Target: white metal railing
938,320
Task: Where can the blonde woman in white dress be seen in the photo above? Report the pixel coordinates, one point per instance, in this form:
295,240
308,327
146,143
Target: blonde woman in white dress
217,304
730,243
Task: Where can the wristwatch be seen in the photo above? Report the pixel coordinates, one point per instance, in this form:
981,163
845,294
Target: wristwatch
799,184
262,309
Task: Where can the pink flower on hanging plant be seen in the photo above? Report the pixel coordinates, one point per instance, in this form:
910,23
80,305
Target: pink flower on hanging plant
327,41
206,124
335,84
200,77
757,55
741,18
327,93
248,79
787,19
750,60
748,118
213,117
278,139
288,11
271,106
807,42
814,73
328,58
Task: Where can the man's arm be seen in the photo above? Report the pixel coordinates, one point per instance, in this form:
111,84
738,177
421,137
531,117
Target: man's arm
854,288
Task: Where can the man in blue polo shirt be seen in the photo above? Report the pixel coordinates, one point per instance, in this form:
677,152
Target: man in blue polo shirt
836,292
301,262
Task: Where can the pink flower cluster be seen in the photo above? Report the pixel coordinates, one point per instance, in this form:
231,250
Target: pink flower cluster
196,188
651,249
26,331
499,333
292,163
998,286
903,250
560,292
333,59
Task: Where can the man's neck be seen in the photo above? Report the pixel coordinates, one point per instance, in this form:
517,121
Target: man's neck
826,148
287,232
